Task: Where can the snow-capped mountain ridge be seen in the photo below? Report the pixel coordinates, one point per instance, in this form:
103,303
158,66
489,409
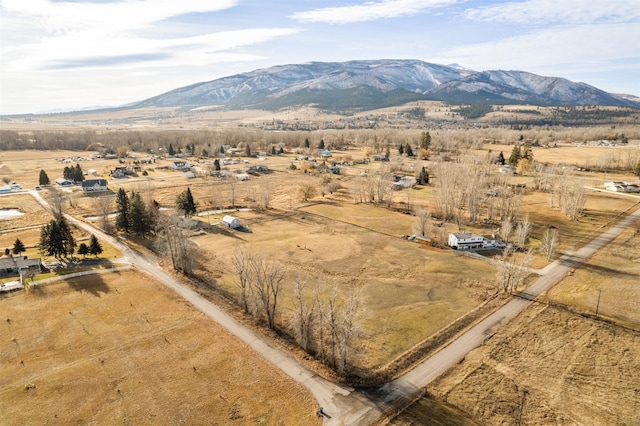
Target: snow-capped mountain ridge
375,83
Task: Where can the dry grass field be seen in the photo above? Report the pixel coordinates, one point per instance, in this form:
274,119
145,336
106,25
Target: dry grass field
550,366
410,291
121,349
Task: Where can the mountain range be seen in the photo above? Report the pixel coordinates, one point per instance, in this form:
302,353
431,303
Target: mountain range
371,84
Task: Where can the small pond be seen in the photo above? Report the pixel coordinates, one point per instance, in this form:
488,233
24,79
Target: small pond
9,213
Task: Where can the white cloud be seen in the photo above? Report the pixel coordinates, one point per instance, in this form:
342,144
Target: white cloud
99,35
554,11
581,46
369,11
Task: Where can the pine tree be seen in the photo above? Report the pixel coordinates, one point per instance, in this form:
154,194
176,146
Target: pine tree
321,146
65,235
423,178
515,156
123,221
401,149
83,249
307,144
95,248
501,159
408,150
425,140
67,173
78,176
138,216
186,204
18,247
281,151
247,151
44,178
273,150
171,151
216,164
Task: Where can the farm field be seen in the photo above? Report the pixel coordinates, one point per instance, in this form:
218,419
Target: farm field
549,366
120,348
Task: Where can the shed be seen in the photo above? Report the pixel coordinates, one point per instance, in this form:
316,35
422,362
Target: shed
231,222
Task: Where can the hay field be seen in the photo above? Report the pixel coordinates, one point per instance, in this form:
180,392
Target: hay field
410,291
550,366
120,348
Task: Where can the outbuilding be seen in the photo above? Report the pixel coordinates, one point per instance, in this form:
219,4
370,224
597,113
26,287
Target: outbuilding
231,222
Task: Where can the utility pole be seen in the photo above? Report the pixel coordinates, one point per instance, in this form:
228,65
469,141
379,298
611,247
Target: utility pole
598,305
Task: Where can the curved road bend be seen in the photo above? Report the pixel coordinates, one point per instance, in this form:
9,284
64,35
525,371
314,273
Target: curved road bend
343,405
429,369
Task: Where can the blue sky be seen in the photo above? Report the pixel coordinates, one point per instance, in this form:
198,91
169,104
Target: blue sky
73,54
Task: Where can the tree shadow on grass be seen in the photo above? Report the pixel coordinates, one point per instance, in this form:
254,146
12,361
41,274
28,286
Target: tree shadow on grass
93,284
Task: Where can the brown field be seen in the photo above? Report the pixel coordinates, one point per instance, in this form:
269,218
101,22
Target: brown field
613,274
410,291
120,348
550,366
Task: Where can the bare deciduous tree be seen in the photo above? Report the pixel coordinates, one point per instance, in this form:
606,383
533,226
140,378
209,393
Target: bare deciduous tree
103,206
549,243
57,201
268,277
523,228
303,315
177,245
422,222
511,273
242,262
307,191
348,328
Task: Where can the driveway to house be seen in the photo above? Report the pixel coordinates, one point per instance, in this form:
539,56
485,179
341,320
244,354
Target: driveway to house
344,405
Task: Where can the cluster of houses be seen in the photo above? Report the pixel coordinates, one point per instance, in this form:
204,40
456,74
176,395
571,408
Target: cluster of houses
618,186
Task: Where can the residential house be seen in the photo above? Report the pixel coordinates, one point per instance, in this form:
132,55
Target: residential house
470,241
618,186
14,264
64,182
94,185
180,165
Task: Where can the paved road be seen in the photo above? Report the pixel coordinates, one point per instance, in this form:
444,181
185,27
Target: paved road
344,405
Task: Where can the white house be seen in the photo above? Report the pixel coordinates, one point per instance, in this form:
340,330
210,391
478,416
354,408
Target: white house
618,186
94,185
231,222
469,241
180,165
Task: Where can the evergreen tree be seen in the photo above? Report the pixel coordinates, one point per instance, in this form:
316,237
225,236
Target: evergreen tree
18,247
95,248
67,173
185,203
307,144
171,151
216,165
501,159
515,156
527,153
401,149
44,178
247,151
56,239
425,140
321,146
273,150
423,177
281,151
83,249
123,222
78,176
65,235
221,149
138,217
408,150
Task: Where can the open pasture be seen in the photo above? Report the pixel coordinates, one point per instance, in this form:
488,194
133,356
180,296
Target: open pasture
120,348
409,291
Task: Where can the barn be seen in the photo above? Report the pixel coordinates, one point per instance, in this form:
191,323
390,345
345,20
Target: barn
231,222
